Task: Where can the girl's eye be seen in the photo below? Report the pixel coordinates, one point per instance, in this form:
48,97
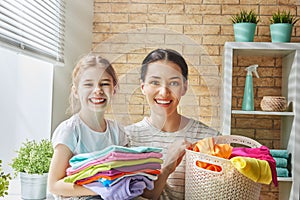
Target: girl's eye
88,84
104,84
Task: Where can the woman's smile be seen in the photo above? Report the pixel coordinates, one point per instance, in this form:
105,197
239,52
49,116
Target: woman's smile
163,102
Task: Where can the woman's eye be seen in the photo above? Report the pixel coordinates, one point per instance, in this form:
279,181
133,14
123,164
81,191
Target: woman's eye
174,83
154,82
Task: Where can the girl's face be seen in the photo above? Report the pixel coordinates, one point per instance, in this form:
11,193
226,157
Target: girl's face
95,89
163,87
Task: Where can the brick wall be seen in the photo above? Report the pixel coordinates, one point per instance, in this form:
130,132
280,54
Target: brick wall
125,31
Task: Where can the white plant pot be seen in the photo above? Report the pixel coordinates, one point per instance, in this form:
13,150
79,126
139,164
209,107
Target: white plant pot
33,186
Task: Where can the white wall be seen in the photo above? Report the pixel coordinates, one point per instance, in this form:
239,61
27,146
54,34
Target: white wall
78,41
34,94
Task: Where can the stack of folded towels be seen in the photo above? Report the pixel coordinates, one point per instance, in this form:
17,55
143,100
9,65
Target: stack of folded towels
116,172
281,157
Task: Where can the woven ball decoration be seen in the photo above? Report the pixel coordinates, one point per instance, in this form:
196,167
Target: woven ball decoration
273,103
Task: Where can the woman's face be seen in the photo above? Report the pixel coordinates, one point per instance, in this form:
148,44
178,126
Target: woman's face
95,89
163,87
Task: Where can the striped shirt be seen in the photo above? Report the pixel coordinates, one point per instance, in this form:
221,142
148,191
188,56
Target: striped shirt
144,134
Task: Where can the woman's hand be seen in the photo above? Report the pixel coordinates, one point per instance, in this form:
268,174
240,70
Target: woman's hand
174,156
175,153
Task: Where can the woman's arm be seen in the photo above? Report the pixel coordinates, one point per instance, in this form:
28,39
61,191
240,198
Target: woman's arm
176,151
57,172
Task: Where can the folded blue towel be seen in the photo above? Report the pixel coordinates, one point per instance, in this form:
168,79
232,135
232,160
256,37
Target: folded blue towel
280,153
282,172
280,162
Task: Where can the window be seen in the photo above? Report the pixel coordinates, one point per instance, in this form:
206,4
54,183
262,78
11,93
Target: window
34,27
26,88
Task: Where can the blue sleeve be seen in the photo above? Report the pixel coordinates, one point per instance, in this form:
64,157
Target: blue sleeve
65,134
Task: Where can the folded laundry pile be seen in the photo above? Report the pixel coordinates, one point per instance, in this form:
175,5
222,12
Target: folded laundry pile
116,172
281,156
255,163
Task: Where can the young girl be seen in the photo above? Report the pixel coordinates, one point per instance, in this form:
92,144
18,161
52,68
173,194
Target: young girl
164,76
94,82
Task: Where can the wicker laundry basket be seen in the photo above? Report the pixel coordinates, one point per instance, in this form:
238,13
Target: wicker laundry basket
229,184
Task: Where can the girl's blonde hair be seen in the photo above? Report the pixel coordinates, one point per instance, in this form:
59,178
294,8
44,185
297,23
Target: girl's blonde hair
90,60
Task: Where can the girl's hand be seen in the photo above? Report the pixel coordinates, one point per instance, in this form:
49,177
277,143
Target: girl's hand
175,153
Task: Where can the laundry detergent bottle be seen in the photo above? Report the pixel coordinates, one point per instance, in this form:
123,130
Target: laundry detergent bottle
248,99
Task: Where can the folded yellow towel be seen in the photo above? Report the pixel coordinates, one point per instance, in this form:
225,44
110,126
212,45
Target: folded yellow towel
255,169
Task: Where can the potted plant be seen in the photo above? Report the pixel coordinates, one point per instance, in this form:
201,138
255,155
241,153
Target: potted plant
4,182
244,25
281,26
32,163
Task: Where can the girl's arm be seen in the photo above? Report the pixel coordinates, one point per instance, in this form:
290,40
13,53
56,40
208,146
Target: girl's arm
57,172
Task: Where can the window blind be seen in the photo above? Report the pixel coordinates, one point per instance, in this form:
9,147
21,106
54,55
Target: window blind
34,27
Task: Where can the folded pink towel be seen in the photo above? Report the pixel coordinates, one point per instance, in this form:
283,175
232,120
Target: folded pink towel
113,156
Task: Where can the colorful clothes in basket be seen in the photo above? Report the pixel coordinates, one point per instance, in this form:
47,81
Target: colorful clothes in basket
255,163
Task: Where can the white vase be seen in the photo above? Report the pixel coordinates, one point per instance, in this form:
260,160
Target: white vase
33,186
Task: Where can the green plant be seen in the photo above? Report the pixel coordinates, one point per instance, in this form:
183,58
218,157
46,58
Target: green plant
33,157
244,16
283,17
4,181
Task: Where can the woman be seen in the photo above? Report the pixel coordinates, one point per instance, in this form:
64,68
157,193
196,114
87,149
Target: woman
164,75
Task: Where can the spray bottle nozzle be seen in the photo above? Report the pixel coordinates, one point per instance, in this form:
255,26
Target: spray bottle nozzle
252,68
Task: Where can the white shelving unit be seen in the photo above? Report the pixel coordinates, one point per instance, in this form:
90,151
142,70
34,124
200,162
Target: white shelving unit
290,121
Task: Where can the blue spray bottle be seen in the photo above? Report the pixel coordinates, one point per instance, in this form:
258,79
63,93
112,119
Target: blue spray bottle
248,100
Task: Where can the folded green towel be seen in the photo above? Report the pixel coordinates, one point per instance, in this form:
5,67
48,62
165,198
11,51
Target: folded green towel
280,153
282,172
280,162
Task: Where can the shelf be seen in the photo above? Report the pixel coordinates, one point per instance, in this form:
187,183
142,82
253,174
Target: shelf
289,122
242,112
262,48
285,179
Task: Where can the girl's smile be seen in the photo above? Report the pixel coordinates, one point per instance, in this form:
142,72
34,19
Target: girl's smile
97,100
95,90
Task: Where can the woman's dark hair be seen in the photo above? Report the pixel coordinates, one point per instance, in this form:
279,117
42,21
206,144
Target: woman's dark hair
166,55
